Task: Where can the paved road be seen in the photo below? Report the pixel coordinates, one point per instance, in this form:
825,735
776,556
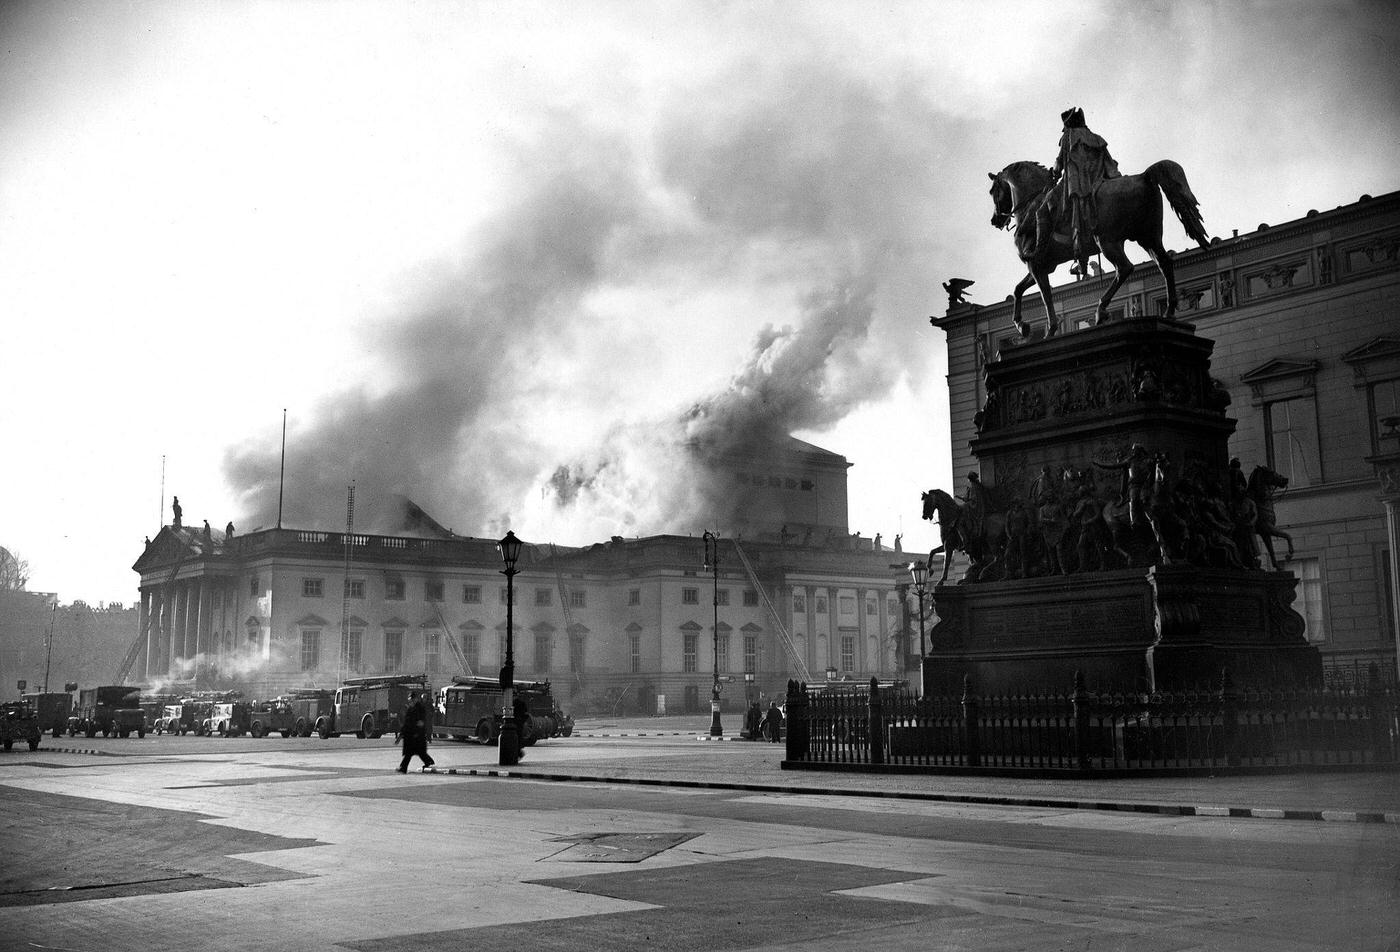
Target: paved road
184,843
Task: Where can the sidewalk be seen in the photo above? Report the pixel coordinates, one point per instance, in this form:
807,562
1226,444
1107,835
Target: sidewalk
1357,796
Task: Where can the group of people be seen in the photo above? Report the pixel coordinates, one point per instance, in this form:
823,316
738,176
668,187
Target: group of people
766,724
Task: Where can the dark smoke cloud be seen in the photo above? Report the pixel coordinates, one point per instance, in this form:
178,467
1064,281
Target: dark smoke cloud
810,182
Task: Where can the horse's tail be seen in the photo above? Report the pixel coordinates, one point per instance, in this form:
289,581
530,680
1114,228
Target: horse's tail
1171,179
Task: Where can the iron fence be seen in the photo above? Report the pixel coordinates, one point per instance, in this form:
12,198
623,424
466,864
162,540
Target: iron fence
1086,732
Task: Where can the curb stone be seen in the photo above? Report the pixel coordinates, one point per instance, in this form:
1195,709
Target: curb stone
1256,813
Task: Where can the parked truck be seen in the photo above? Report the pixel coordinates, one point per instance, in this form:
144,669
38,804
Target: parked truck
370,707
51,710
18,722
471,708
113,709
278,715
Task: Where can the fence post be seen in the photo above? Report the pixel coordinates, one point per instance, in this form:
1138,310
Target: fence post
876,724
971,745
1229,718
1081,723
796,720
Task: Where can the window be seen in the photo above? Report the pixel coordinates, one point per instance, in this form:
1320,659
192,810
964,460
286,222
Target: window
310,649
821,604
577,599
688,647
1310,599
635,650
750,654
433,590
354,645
471,594
1291,431
872,607
432,651
721,596
254,636
393,650
722,650
846,605
544,649
848,653
799,603
393,589
506,589
690,596
253,587
544,596
634,596
471,648
750,598
1385,402
576,645
311,587
354,588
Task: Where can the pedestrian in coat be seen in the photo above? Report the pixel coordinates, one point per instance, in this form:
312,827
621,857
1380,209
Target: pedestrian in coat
415,733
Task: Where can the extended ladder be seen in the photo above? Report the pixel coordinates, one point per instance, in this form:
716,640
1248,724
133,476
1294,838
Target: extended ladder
799,665
568,616
452,642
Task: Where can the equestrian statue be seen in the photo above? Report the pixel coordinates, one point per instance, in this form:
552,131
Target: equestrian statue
1084,205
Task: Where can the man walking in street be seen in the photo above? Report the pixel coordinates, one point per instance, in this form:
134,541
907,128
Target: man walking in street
415,733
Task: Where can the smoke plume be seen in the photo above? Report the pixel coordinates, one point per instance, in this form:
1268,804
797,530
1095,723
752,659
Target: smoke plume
544,379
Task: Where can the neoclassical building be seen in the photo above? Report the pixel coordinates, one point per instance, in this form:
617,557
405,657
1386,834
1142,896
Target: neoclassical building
622,623
1305,317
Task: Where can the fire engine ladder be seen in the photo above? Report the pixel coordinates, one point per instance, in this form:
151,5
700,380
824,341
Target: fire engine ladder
452,643
798,664
568,616
134,651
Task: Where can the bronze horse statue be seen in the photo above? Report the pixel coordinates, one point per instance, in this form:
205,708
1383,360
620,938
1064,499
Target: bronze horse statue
981,544
1264,483
1129,209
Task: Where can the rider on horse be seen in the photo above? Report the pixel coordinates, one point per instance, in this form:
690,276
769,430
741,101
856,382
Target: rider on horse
1082,164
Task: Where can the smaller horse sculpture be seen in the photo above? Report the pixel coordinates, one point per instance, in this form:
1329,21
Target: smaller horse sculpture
1264,484
959,535
1129,209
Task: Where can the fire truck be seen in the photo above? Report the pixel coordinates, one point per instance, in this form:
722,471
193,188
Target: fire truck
370,707
471,708
289,714
51,710
154,706
111,709
183,717
230,718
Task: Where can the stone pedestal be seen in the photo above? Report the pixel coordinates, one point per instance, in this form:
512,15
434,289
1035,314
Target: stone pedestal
1162,628
1128,618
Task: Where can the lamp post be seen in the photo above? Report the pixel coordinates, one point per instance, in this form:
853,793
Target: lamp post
509,741
712,562
919,572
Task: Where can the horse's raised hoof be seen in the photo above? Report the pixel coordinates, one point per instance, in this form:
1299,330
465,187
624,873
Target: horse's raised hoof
1023,329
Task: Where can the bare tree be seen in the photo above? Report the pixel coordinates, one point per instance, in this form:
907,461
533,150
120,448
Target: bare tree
14,571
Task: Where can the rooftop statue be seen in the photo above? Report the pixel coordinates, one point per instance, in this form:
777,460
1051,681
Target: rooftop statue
957,290
1084,206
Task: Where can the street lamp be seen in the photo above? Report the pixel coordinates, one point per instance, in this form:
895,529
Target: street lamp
712,563
510,731
919,572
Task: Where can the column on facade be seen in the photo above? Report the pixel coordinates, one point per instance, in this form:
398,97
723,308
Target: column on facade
143,620
1392,532
809,598
204,619
861,634
187,613
177,624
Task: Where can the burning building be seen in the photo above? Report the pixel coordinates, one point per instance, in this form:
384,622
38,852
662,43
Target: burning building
630,623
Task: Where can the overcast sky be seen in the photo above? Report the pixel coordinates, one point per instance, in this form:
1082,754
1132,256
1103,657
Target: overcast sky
503,258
